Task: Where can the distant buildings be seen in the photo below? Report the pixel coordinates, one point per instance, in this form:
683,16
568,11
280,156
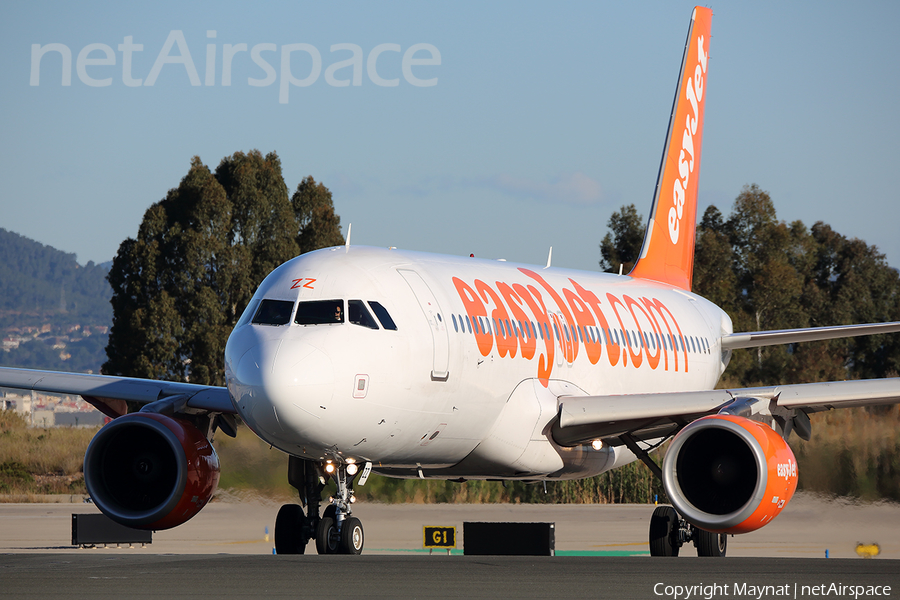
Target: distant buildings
47,410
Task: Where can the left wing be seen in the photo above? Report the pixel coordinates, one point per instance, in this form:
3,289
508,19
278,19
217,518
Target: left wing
643,416
109,394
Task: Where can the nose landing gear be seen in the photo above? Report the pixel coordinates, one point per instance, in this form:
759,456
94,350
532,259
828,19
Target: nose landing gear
336,531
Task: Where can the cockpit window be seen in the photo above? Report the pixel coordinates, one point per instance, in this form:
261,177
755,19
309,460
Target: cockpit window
381,312
248,313
320,312
358,314
273,312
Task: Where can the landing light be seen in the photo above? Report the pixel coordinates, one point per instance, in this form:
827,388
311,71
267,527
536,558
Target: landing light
352,469
597,444
329,467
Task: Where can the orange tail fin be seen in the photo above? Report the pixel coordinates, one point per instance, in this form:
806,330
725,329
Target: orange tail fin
668,251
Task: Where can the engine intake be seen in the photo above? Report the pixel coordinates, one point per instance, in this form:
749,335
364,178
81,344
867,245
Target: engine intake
149,471
728,474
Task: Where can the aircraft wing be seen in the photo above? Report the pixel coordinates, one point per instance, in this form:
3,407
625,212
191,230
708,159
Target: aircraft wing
753,339
109,394
645,416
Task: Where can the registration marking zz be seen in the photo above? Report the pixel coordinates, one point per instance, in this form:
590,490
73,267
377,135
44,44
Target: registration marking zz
298,283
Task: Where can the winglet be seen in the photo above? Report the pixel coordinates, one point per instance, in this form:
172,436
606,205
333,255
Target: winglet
667,254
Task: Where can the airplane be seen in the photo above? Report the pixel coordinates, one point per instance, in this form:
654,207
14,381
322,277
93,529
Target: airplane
357,359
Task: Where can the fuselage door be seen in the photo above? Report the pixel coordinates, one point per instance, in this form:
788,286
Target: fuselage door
436,321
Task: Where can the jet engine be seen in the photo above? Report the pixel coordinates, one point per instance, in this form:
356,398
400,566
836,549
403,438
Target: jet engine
729,474
150,471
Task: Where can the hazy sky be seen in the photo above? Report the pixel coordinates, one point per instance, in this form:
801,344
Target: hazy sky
540,120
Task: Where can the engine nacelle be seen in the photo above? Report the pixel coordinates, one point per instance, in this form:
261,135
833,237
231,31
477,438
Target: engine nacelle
728,474
149,471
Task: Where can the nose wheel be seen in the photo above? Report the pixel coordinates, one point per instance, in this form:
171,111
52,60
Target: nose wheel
336,531
339,532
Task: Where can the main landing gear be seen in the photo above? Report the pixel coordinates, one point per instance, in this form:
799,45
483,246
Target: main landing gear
669,532
336,531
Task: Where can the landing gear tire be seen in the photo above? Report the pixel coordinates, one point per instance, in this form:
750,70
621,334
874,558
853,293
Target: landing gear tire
289,530
327,538
352,537
710,544
663,529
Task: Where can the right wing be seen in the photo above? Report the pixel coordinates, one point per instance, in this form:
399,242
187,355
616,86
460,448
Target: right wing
109,394
753,339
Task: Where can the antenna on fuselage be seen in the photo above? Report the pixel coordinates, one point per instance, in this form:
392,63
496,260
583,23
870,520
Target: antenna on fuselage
549,257
349,231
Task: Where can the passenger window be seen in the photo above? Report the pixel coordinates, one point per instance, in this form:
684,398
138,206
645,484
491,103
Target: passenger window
381,312
468,324
274,312
320,312
358,314
455,327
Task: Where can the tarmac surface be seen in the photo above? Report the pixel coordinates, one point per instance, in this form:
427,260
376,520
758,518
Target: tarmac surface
601,552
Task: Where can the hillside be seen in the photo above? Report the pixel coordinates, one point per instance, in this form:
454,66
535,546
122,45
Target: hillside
54,313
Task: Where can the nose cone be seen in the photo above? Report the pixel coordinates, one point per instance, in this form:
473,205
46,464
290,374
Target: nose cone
281,387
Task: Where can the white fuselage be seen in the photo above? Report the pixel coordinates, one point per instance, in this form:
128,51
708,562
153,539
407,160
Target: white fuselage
467,383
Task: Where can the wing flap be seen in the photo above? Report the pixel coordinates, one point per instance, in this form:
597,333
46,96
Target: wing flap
839,394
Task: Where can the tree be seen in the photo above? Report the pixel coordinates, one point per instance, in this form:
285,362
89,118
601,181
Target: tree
319,226
768,274
200,253
853,283
622,244
714,273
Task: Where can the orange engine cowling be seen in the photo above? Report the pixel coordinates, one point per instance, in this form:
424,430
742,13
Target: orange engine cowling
728,474
149,471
